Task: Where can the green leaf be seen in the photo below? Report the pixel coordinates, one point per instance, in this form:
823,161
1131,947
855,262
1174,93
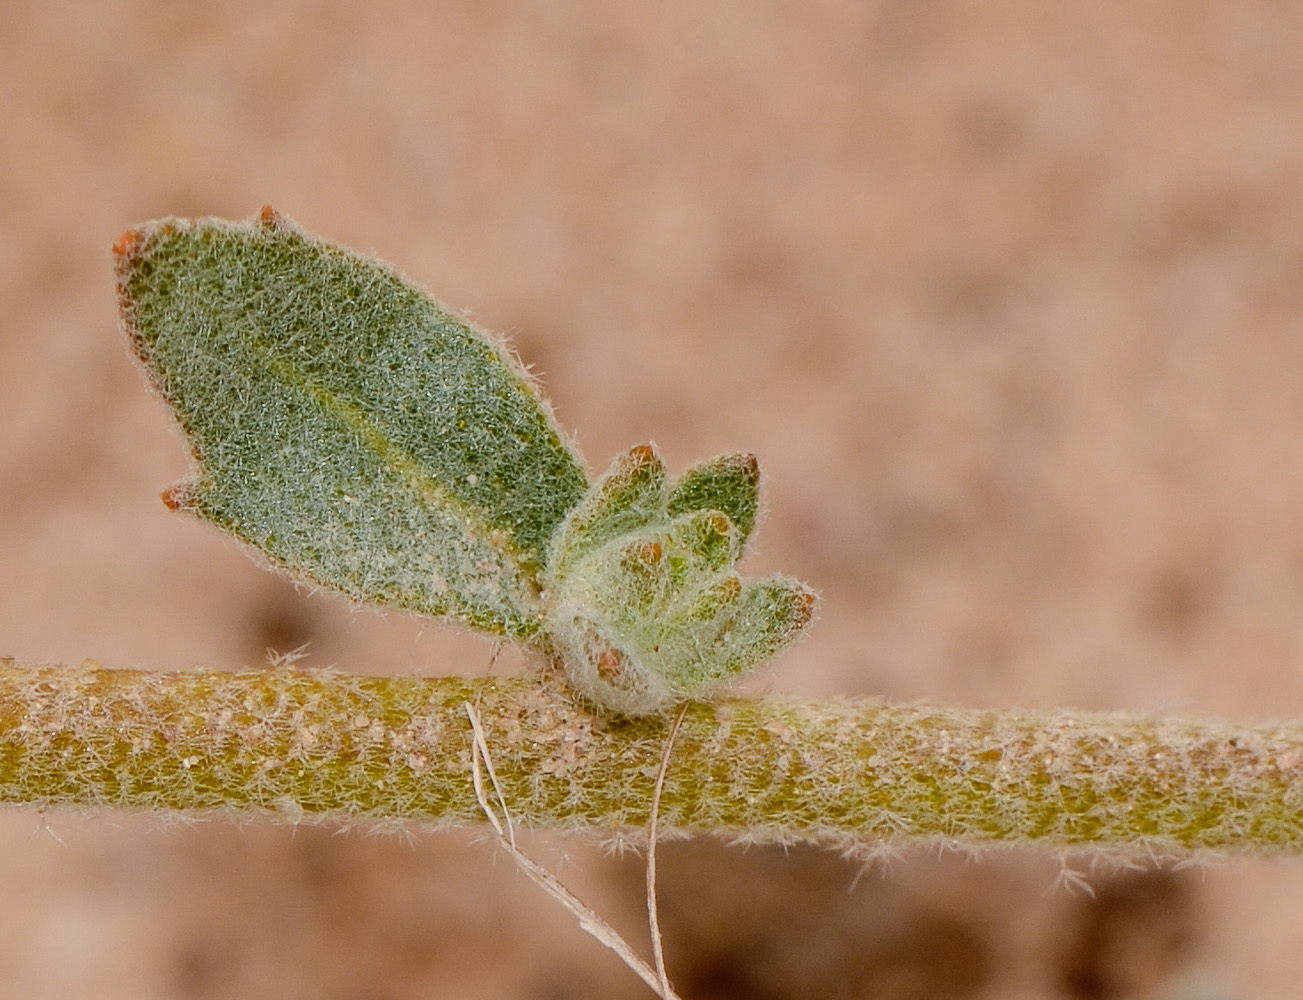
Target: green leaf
628,495
345,423
729,484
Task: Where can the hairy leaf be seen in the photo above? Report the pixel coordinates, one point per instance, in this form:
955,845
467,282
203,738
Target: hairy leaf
349,426
729,484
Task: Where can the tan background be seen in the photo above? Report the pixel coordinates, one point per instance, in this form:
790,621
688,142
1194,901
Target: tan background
1006,296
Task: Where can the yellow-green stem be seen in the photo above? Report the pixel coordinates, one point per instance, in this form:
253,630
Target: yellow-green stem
319,745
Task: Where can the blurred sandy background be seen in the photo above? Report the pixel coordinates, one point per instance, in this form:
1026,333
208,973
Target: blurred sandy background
1008,297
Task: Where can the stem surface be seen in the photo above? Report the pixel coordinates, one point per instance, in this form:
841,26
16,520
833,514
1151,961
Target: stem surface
325,746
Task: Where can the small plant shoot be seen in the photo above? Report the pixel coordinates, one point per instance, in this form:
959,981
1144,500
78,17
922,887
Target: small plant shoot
367,438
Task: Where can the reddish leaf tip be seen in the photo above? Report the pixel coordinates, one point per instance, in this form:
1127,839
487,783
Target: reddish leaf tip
269,218
128,245
804,606
177,498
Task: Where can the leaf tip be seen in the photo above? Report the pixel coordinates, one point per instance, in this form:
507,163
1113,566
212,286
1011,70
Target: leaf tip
643,454
804,602
126,248
269,218
129,252
180,498
747,463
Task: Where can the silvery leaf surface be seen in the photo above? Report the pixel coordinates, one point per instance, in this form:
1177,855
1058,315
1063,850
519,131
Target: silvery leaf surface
345,423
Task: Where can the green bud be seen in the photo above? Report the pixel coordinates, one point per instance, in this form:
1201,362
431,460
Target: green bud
630,494
729,484
646,615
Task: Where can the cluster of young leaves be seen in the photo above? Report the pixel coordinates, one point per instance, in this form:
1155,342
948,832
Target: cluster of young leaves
645,605
365,437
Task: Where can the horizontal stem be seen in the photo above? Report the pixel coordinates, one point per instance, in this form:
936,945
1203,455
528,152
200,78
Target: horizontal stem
320,745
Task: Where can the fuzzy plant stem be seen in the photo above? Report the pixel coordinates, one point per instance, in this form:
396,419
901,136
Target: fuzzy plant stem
311,745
